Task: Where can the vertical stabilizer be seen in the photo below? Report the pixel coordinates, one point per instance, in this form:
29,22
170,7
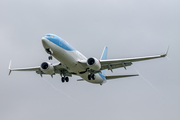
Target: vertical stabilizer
104,57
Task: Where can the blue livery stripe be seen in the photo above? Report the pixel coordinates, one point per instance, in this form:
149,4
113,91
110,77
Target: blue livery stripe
102,76
59,42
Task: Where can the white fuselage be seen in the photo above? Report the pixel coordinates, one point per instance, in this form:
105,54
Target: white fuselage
69,59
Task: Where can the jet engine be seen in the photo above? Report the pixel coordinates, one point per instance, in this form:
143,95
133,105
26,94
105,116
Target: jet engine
93,64
47,68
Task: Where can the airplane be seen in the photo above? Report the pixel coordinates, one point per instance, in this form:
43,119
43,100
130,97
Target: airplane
72,62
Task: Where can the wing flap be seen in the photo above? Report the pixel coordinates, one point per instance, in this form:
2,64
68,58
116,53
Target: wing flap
115,65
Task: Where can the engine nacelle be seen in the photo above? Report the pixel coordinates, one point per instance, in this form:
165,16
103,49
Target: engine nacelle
47,68
94,63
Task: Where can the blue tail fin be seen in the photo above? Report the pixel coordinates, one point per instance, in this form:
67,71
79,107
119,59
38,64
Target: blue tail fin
104,57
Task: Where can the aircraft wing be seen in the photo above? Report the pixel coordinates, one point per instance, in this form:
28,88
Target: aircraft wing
26,69
57,69
118,63
136,59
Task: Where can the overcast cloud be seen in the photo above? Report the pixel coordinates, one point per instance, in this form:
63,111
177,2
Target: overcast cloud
129,28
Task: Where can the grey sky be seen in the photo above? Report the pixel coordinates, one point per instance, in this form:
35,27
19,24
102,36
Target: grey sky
129,29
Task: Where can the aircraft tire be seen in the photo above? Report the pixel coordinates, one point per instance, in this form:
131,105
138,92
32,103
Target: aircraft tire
67,79
89,77
62,79
93,77
50,57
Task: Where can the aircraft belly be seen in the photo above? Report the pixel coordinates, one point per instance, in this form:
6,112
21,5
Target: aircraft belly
69,59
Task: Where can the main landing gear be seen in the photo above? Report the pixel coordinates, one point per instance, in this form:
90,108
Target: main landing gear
63,79
91,76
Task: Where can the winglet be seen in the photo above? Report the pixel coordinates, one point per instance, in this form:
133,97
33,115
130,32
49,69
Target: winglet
164,55
10,68
167,50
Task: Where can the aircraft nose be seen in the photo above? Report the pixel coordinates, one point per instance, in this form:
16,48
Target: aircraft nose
44,42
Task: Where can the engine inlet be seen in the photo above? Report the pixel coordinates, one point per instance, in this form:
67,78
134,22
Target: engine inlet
91,61
44,65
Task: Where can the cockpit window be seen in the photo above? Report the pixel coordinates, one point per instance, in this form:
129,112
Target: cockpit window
50,36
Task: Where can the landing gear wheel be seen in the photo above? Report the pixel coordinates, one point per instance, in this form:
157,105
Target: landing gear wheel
62,79
89,77
50,57
93,77
66,79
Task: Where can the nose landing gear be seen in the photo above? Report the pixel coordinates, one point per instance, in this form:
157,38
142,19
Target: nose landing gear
50,57
49,51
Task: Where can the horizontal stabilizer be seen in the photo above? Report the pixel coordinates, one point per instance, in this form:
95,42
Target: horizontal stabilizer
80,80
119,76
